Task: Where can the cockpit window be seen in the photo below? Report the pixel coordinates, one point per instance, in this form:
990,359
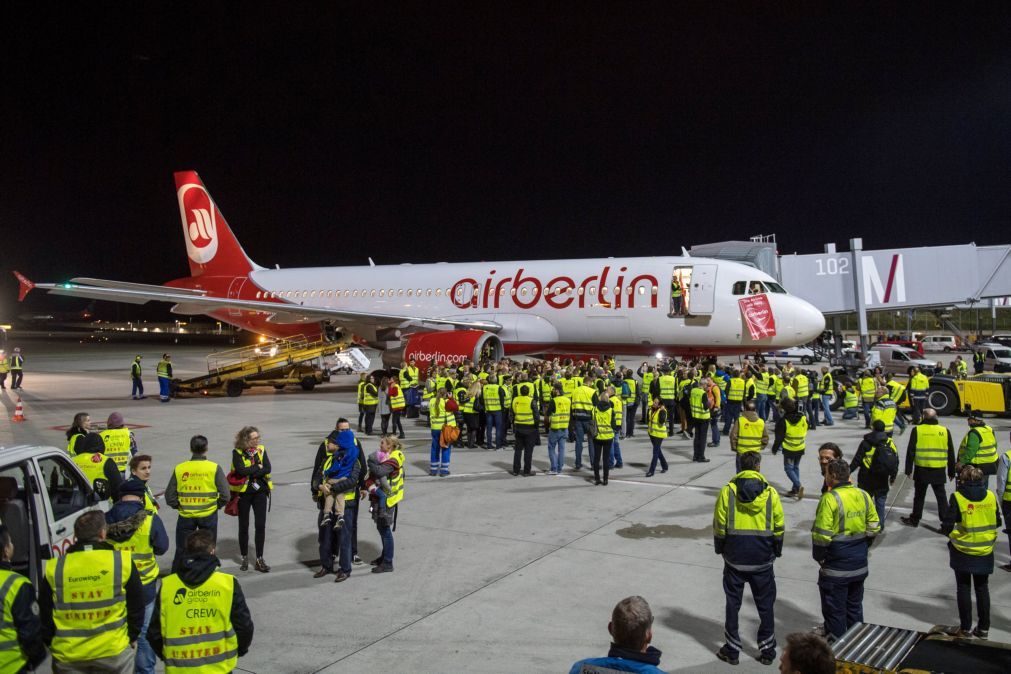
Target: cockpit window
740,287
755,288
775,287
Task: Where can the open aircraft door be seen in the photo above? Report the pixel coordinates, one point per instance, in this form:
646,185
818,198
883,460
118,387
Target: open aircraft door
702,292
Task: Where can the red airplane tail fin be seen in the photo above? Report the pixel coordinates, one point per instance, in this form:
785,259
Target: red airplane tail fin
24,285
210,244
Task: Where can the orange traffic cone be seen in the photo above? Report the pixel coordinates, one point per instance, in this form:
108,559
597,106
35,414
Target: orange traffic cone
19,411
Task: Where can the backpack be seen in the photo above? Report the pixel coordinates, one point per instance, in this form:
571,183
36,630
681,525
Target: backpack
885,461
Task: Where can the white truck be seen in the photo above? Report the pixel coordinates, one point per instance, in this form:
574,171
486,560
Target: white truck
42,493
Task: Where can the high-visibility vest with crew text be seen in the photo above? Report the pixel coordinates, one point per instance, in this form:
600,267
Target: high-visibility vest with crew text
196,624
117,446
140,549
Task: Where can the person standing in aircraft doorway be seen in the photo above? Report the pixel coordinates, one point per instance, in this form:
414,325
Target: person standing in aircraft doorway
675,297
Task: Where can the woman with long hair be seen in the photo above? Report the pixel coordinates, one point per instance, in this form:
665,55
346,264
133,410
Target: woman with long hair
78,429
250,461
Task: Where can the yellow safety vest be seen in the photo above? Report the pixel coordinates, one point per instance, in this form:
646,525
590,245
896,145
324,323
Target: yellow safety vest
197,625
246,463
397,402
827,385
867,389
89,603
163,368
560,417
546,387
397,482
656,428
631,388
790,392
761,384
12,659
976,533
735,390
369,395
987,446
92,465
749,434
852,399
884,410
931,446
198,493
492,399
150,503
465,407
796,435
619,410
869,454
523,411
140,549
412,376
1007,484
919,383
117,446
605,419
361,387
729,520
699,413
895,390
582,399
72,442
349,495
668,387
647,383
568,386
5,365
803,386
439,416
845,513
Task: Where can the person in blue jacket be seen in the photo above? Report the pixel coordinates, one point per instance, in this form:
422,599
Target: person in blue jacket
631,627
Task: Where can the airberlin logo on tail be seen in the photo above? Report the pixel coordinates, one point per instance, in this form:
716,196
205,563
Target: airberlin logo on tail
199,216
560,292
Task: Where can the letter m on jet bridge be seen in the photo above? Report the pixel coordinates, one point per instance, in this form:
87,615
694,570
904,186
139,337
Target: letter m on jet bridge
892,289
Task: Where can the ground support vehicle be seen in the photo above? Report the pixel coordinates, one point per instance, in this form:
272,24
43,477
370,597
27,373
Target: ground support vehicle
280,363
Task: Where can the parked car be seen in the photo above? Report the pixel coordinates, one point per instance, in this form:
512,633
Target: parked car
42,493
1003,340
898,359
804,354
943,343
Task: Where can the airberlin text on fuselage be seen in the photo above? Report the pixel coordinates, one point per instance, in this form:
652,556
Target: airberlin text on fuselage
558,293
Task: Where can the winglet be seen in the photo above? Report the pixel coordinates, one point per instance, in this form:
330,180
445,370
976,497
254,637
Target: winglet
24,285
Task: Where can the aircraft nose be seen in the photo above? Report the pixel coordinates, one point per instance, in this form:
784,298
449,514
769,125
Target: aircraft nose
809,323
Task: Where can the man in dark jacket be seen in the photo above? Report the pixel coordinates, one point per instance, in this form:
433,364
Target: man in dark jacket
930,460
791,437
346,540
748,528
29,651
199,563
873,478
125,519
349,515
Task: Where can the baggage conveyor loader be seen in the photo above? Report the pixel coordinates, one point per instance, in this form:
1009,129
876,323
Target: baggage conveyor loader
278,363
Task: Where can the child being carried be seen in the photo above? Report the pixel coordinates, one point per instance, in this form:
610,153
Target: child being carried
337,477
381,469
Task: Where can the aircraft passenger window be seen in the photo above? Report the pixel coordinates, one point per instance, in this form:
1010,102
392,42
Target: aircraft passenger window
739,287
580,291
418,292
593,290
65,489
501,292
391,292
312,294
642,290
603,291
512,292
410,292
354,294
382,292
400,293
257,294
655,290
428,292
372,294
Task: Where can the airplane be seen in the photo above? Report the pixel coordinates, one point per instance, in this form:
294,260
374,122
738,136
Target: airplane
455,312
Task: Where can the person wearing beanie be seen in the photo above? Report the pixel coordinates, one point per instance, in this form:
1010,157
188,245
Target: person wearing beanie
133,528
95,465
120,443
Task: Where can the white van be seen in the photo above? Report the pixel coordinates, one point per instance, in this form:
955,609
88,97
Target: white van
898,359
941,343
42,493
996,357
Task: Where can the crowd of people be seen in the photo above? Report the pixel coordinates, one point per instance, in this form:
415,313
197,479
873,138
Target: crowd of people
592,405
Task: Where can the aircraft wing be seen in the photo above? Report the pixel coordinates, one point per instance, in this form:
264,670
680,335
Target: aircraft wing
197,301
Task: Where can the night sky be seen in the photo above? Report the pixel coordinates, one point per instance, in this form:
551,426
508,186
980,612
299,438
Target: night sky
426,132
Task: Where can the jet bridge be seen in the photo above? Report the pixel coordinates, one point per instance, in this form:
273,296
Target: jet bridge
873,280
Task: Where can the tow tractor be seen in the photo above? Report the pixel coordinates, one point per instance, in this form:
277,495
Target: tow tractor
279,363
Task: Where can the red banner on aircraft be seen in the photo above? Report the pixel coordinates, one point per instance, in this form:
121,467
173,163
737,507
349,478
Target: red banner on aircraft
758,315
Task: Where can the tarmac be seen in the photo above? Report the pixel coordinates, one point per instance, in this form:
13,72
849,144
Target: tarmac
493,573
